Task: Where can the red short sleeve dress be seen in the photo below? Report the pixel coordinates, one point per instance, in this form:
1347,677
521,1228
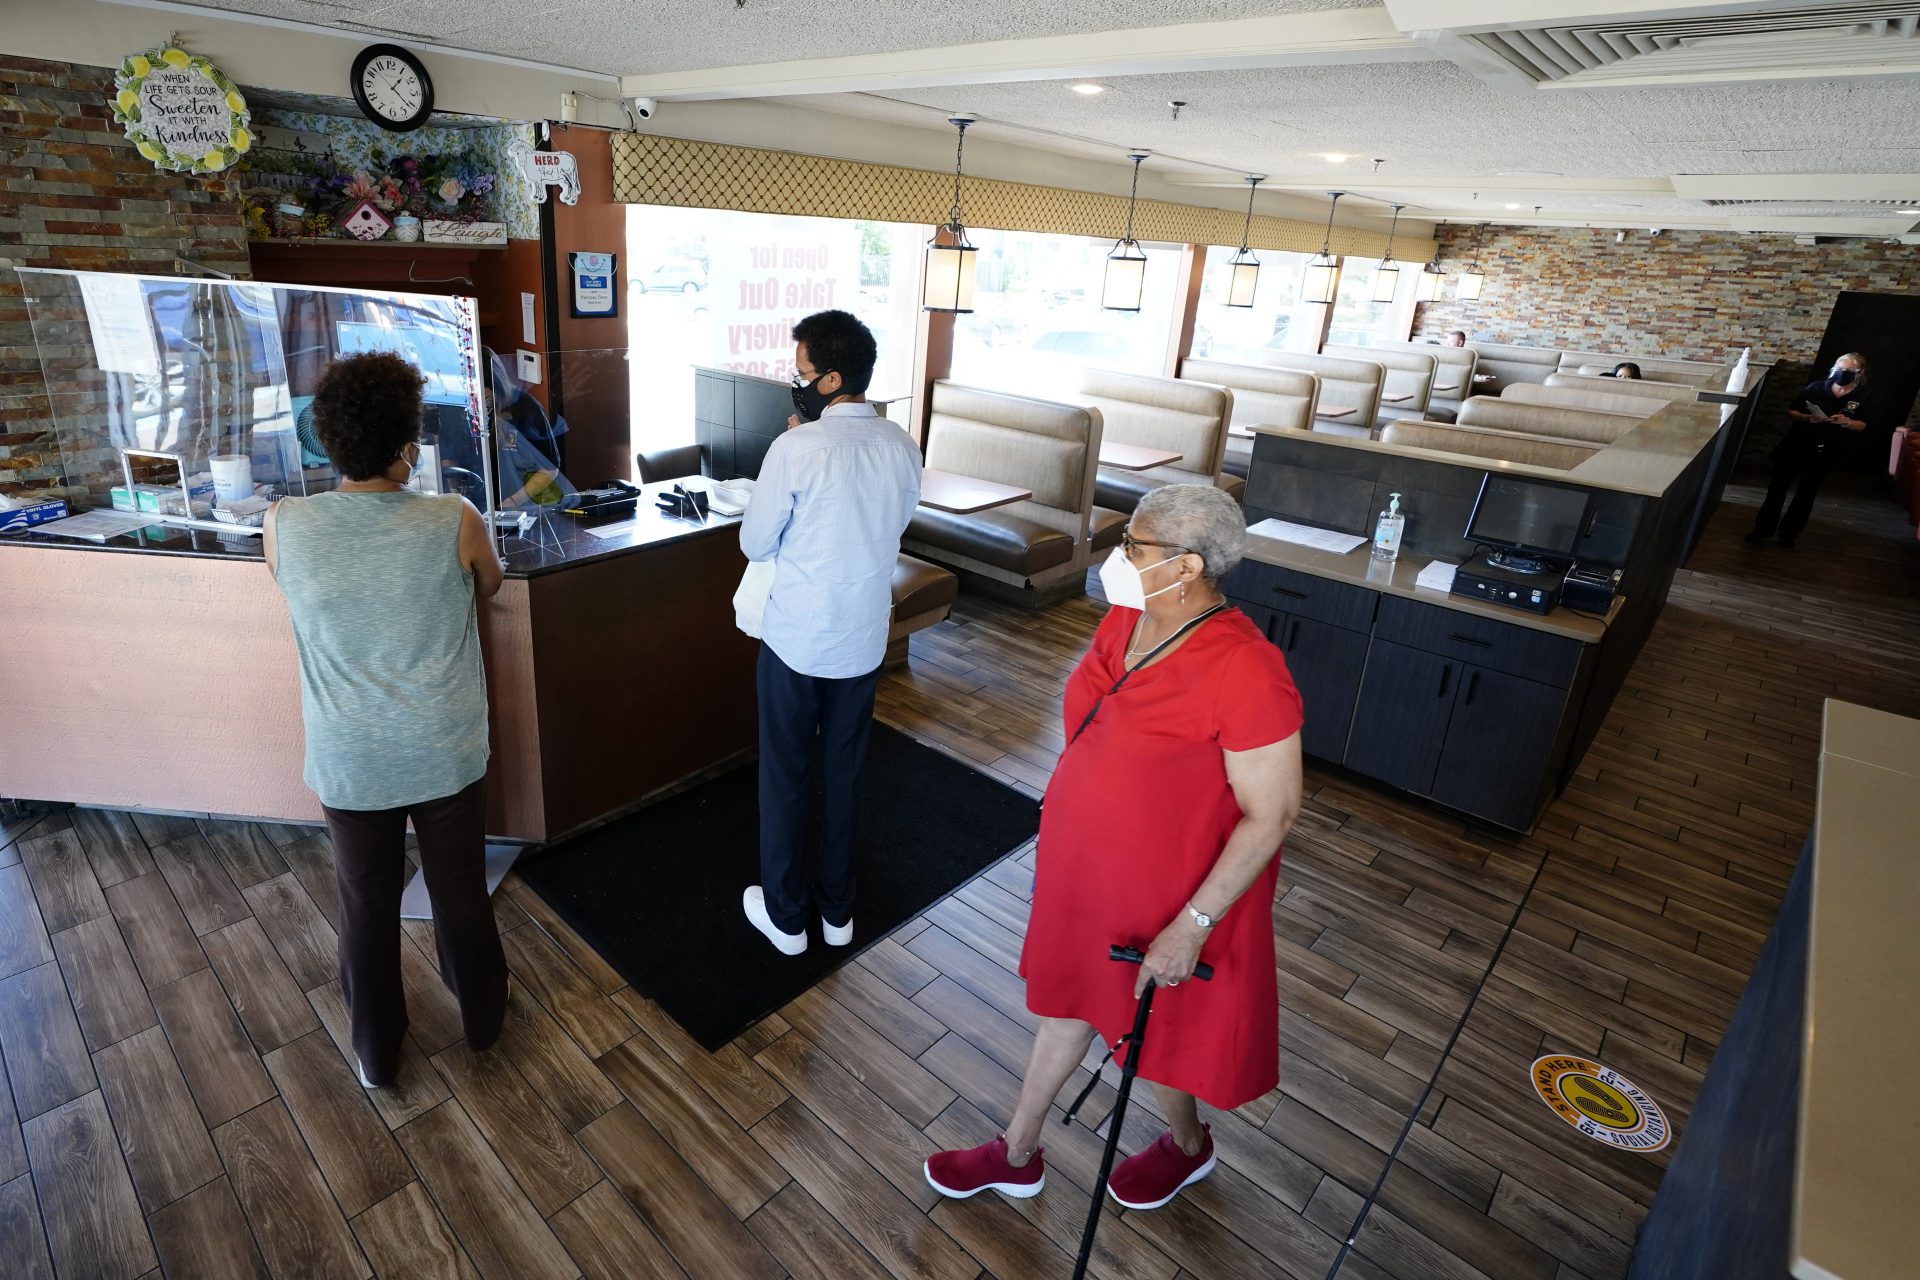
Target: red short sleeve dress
1137,814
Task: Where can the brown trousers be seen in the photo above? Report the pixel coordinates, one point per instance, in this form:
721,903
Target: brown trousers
369,855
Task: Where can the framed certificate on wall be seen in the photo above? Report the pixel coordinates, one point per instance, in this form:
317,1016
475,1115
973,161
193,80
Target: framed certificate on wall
595,290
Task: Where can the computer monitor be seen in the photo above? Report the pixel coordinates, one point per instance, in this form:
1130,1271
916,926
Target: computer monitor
1532,517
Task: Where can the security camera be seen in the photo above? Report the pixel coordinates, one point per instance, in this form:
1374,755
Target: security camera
1654,231
645,108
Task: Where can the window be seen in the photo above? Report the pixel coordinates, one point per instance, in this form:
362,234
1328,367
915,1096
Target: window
1277,320
723,289
1358,320
1037,319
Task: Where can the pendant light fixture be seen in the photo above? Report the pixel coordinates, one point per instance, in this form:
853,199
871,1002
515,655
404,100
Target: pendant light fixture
1317,284
1243,270
1386,280
947,282
1473,277
1127,265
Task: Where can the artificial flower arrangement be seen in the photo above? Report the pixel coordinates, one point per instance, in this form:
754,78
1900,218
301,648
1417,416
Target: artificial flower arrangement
451,187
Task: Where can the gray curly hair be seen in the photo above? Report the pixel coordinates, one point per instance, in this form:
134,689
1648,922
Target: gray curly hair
1199,517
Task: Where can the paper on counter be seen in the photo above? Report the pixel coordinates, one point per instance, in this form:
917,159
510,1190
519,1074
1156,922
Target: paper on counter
95,526
1306,535
618,529
1438,574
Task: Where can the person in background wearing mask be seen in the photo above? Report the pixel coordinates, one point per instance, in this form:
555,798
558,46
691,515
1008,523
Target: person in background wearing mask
1458,338
834,495
1162,829
1829,411
1627,369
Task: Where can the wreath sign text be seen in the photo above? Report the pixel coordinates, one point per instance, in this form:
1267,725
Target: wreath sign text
181,111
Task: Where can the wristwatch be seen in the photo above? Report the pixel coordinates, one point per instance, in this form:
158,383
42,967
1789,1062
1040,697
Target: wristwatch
1201,918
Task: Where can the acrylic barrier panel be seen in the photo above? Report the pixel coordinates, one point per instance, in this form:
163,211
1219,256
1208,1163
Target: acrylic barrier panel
530,442
222,375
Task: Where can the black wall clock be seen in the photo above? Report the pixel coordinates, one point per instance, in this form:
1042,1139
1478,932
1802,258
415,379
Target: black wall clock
393,89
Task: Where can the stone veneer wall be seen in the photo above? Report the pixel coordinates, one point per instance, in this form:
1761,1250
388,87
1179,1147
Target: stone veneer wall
1695,295
74,193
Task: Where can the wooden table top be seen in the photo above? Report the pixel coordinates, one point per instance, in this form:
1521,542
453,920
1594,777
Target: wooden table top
1402,398
1335,411
1135,457
963,495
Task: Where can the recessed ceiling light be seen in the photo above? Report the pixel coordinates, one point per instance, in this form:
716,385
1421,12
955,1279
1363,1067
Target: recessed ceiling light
1513,206
1908,211
1089,89
1529,173
1334,157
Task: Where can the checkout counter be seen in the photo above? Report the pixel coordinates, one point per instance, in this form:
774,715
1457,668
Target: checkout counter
156,669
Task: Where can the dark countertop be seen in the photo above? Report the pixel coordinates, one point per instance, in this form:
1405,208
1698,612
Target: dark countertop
558,543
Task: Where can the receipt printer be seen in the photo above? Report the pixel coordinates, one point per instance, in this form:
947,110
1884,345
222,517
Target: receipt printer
1590,590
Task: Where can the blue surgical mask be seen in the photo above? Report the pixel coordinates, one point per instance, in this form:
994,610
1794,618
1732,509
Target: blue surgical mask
1844,377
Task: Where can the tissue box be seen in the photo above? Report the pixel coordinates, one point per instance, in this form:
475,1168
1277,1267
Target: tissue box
36,512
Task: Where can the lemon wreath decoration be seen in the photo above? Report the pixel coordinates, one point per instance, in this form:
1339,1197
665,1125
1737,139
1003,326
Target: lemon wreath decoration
180,111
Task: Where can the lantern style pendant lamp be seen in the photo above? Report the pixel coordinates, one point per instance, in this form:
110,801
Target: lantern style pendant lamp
1431,280
1386,280
1243,270
947,282
1317,285
1473,277
1127,265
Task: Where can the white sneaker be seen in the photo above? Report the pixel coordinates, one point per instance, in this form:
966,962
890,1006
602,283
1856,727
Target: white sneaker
837,935
754,902
361,1069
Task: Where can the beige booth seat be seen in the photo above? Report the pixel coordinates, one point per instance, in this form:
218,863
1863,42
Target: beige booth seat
1695,373
1506,446
1660,393
1037,550
1261,394
1351,384
1510,364
1408,373
923,594
1595,400
1158,413
1545,420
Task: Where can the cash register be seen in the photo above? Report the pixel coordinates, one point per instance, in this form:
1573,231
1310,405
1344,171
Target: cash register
1527,530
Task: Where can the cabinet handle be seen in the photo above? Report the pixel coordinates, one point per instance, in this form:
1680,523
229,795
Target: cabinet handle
1288,591
1473,683
1293,635
1483,644
1446,680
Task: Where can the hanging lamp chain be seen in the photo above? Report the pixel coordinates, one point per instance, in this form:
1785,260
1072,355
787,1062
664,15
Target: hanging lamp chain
1393,227
1246,231
1326,243
1133,197
959,152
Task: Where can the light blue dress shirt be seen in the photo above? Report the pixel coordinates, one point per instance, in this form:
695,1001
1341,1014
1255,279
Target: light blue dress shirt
831,502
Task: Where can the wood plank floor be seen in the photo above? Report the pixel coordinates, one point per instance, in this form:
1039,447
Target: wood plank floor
176,1096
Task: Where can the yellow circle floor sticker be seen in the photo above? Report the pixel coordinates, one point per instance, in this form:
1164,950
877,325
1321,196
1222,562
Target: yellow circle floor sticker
1601,1103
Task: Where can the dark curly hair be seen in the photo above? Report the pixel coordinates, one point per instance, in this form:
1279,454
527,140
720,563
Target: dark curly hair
838,343
367,409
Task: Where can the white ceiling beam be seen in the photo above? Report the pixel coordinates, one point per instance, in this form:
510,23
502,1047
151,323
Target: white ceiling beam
1513,15
1309,39
1361,183
1799,187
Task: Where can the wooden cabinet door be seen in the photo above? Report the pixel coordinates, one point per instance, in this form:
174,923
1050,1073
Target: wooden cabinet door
1400,720
1325,662
1494,763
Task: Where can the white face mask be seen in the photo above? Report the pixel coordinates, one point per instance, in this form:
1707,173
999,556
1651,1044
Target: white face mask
1123,583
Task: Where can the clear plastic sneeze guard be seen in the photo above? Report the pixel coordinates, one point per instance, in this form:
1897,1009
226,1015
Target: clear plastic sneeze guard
221,376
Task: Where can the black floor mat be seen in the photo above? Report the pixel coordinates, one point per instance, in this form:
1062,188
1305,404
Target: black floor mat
658,893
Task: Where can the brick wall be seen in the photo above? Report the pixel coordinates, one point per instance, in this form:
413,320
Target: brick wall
73,193
1696,295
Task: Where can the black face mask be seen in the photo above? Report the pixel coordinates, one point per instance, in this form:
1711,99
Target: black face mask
1844,377
808,400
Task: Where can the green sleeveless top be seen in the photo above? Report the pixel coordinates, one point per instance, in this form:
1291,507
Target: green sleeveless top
392,689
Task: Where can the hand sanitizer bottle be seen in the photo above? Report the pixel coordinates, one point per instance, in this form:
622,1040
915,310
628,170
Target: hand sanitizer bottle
1386,535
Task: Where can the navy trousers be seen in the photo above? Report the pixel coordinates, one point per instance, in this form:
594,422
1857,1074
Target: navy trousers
801,717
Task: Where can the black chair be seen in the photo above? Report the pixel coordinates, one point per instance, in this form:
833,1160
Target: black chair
668,464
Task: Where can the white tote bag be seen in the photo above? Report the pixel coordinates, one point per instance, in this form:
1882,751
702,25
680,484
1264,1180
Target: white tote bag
750,597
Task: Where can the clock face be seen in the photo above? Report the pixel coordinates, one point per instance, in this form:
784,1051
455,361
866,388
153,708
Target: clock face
392,87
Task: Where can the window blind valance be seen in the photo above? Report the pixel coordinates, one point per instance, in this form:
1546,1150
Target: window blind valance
650,169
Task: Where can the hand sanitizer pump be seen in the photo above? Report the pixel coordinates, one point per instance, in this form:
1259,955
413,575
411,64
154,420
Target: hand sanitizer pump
1386,535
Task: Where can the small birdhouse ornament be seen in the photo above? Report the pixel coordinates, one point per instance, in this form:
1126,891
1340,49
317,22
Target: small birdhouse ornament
365,221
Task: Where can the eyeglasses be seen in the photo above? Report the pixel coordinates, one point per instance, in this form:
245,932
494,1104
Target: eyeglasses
1128,542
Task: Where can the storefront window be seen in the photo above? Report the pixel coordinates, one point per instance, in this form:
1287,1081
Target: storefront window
1277,320
1037,319
1358,320
724,290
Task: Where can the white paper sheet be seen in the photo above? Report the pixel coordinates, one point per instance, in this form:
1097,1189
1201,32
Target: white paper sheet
95,526
1305,535
1438,574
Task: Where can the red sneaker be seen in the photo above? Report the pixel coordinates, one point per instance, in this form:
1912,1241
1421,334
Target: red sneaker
967,1173
1159,1173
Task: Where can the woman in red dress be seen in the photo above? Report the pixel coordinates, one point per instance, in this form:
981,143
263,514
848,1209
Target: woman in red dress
1161,829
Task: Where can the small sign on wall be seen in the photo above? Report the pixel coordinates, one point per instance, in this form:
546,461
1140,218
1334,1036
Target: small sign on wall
543,169
180,111
593,293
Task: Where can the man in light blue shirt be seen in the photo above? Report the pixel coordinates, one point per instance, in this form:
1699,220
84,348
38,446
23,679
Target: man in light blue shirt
833,497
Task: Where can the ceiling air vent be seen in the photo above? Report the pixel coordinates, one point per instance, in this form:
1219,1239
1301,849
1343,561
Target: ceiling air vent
1830,41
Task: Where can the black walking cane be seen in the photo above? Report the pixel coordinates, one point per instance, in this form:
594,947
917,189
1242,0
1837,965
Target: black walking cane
1129,1066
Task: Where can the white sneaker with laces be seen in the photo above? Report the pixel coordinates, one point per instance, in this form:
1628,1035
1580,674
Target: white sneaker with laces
754,903
837,935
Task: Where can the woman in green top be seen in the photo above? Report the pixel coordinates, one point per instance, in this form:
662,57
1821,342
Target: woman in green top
382,582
